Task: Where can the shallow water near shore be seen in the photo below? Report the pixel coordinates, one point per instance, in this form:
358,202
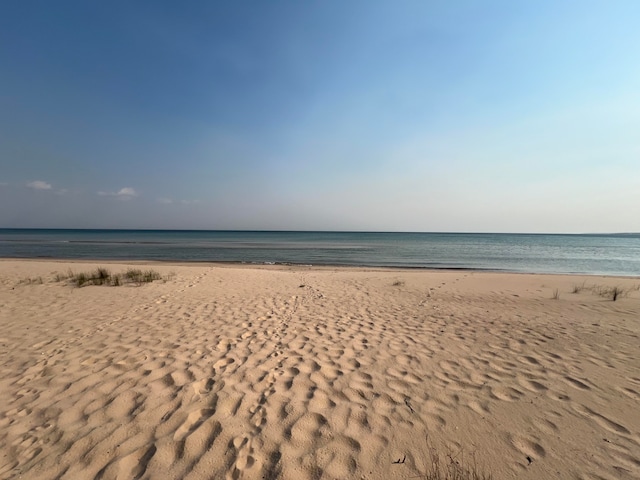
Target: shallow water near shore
533,253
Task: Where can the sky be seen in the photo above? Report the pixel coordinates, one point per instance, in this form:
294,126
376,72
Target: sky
457,116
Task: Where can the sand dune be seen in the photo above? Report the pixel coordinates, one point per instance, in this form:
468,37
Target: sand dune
306,373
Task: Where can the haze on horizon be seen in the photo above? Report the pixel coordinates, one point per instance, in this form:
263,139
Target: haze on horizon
466,116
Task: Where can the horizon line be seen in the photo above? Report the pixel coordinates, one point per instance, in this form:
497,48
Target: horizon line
319,231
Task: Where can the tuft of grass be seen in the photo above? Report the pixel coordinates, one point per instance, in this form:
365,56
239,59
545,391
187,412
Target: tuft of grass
616,292
613,293
556,294
60,277
138,276
150,276
102,273
133,274
80,279
578,288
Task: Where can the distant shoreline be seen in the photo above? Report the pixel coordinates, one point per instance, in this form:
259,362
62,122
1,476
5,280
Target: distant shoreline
298,266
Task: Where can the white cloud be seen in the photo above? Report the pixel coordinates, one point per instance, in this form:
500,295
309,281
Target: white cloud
125,193
165,201
39,185
189,202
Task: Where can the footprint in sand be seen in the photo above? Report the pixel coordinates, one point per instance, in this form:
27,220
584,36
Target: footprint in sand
222,364
259,417
529,448
182,377
244,458
192,422
131,466
202,387
307,428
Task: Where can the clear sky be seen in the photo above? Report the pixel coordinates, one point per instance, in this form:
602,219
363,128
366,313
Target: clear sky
486,116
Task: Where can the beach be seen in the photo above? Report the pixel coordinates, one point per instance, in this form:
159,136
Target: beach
295,372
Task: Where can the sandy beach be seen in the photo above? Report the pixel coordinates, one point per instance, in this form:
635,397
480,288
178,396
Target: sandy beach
222,371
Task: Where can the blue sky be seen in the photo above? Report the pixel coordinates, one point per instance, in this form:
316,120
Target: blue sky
397,116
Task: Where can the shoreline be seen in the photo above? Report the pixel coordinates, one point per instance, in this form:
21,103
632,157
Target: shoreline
253,371
292,265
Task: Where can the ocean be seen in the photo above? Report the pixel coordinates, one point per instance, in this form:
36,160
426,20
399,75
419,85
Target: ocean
533,253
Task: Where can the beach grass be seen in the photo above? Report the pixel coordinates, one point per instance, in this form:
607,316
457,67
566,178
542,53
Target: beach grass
31,281
612,293
577,288
102,276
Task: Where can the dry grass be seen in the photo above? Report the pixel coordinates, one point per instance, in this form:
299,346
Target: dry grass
102,276
578,288
31,281
612,293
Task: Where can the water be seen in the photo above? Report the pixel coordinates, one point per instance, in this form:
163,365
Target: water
587,254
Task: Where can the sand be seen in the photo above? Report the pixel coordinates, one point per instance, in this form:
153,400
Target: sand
303,373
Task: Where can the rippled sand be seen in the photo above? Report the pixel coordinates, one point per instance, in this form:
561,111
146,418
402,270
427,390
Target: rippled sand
305,373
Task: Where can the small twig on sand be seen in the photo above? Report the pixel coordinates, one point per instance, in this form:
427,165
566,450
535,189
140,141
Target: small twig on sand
406,402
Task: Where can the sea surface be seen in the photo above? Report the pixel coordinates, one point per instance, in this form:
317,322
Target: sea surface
535,253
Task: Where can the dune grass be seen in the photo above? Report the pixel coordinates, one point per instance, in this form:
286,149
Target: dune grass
578,288
612,293
31,281
102,276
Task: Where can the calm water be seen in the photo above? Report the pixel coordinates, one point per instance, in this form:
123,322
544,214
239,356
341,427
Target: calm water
590,254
